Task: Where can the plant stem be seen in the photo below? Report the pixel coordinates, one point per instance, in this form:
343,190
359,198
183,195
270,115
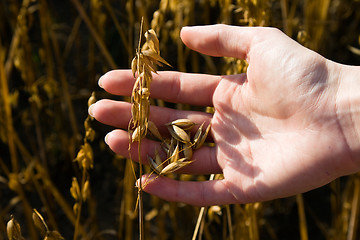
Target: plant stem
201,215
302,217
8,113
140,205
141,213
80,202
354,215
100,43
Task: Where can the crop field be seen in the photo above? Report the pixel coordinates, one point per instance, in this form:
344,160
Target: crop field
58,178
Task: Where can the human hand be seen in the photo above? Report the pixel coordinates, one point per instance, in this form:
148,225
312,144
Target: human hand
276,128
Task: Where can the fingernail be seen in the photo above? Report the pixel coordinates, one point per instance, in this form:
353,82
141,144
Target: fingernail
189,27
90,110
184,28
145,180
137,183
100,81
107,138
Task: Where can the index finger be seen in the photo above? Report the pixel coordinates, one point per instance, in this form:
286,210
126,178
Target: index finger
171,86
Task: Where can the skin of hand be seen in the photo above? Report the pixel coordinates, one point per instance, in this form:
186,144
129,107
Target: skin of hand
284,127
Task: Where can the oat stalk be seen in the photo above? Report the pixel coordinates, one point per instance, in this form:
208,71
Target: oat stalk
85,159
140,201
143,64
201,215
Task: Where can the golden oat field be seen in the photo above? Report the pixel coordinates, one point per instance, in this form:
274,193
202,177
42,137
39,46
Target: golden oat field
59,180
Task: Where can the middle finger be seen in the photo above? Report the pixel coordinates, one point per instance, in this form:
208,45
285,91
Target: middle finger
118,114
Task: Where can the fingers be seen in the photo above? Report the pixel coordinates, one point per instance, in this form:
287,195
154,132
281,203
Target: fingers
110,112
204,193
224,40
177,87
118,141
118,114
204,159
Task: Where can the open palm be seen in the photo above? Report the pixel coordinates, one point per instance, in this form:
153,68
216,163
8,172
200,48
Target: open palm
275,128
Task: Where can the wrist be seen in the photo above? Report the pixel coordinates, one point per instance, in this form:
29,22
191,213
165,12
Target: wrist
348,112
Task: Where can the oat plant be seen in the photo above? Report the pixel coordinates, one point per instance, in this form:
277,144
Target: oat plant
13,228
179,148
144,63
85,158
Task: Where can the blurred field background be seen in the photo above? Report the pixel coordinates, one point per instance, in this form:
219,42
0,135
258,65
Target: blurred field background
51,56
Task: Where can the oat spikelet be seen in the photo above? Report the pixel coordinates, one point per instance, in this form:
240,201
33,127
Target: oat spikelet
14,230
43,228
39,222
180,147
143,64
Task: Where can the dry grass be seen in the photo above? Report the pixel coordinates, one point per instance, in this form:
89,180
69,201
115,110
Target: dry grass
51,55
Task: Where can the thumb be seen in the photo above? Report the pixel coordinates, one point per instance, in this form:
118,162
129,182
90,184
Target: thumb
221,40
